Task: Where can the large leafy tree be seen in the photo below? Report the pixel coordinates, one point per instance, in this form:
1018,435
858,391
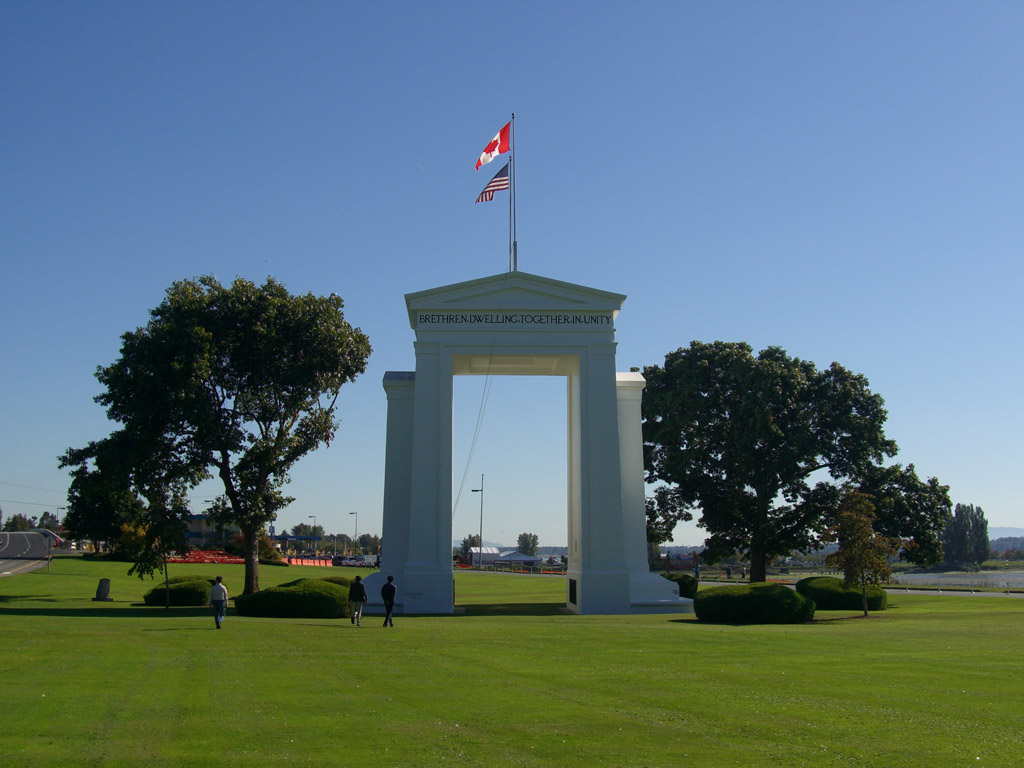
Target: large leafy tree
965,536
908,508
306,530
369,543
130,490
50,521
237,382
753,441
100,499
18,522
527,543
664,510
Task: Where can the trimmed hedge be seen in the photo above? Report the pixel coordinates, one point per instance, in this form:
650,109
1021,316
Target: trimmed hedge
343,581
757,603
180,579
192,592
829,594
687,584
302,599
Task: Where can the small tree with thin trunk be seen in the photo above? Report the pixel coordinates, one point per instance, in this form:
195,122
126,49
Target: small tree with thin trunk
863,554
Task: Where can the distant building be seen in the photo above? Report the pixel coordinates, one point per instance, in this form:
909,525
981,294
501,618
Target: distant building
484,555
203,534
515,557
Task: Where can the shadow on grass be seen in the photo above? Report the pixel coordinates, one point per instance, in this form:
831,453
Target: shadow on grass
40,598
510,609
830,620
107,611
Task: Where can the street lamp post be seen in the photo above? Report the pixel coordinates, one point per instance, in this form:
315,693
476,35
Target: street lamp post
480,550
49,540
314,532
355,531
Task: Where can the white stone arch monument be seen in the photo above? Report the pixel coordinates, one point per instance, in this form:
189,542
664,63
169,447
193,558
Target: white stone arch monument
519,324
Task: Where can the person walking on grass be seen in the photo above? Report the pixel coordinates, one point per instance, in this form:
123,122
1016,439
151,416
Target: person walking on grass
356,599
218,598
387,594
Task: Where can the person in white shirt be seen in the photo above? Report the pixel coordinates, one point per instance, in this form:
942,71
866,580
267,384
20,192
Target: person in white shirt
219,600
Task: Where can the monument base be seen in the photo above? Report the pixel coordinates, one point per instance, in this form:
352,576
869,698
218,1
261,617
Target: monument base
619,592
651,593
419,592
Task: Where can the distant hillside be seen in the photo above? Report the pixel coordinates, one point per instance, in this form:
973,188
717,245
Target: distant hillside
551,551
1003,533
1006,543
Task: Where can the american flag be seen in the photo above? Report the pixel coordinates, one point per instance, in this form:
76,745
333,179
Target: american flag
500,181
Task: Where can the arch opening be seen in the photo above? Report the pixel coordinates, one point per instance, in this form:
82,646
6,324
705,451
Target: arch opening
517,324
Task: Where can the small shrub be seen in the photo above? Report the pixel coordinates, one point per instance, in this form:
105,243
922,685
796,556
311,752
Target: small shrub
829,594
757,603
192,592
687,584
301,599
279,561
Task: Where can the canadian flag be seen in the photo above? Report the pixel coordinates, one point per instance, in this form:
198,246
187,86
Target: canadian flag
496,146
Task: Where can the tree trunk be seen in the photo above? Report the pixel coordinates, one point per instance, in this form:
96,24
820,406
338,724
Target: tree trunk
864,597
758,565
252,559
758,556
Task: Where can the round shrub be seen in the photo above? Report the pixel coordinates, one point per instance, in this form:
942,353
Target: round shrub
302,599
758,603
343,581
829,594
192,592
687,584
180,579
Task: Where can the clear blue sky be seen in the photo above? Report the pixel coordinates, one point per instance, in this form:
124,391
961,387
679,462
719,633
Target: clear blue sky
844,180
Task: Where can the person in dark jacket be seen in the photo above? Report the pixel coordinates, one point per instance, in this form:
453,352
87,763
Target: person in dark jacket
387,594
357,599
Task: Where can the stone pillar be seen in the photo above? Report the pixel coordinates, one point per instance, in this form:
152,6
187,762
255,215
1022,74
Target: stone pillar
428,585
602,582
629,390
647,591
400,389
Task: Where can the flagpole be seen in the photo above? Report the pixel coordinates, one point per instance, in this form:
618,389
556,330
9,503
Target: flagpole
512,197
511,180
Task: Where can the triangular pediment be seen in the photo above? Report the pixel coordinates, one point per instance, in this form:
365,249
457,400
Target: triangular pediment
513,292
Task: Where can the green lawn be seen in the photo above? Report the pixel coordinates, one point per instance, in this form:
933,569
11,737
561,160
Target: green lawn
934,681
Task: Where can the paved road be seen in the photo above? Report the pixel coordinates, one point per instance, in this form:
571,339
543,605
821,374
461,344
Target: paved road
20,552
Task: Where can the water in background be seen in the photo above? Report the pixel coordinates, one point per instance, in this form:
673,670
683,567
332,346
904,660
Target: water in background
1001,579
